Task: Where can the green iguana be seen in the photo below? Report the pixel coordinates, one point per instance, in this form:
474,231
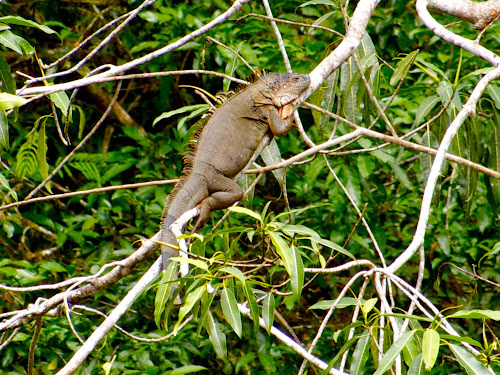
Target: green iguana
224,147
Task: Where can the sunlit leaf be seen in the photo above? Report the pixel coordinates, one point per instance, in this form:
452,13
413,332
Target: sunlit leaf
268,312
470,363
391,354
230,310
8,101
430,348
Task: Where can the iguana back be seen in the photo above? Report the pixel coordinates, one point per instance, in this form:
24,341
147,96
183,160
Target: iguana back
226,144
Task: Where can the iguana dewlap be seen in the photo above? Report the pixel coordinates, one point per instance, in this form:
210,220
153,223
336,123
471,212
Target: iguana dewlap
225,146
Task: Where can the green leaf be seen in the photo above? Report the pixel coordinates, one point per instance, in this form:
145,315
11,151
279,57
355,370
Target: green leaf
246,211
391,355
5,183
216,336
402,67
459,339
369,305
9,84
235,272
195,262
476,314
268,311
318,2
430,348
163,293
254,308
290,230
344,302
191,300
52,266
417,366
17,20
297,280
272,155
360,354
11,41
494,92
8,101
187,369
470,363
189,108
334,246
41,152
283,251
230,310
4,130
424,109
61,101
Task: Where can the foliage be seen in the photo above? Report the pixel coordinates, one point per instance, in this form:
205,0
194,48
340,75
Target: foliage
260,255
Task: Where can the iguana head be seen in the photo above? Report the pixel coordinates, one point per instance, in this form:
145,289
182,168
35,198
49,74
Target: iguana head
280,90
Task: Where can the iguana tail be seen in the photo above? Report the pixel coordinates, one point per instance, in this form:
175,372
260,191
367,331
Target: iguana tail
186,195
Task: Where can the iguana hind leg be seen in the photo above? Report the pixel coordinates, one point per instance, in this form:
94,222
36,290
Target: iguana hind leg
223,193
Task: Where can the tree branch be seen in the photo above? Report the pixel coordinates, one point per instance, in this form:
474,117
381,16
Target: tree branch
480,14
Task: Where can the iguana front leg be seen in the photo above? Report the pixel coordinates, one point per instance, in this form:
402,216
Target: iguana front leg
280,120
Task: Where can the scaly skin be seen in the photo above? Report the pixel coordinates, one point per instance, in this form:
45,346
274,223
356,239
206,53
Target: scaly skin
225,146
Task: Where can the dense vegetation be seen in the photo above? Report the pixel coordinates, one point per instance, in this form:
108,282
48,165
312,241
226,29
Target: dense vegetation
306,210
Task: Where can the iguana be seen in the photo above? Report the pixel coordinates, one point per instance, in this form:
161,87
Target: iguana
224,147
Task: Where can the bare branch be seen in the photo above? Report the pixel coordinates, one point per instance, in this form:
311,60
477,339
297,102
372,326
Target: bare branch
481,14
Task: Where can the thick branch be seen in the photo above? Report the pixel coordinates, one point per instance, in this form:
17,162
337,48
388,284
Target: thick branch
479,14
467,44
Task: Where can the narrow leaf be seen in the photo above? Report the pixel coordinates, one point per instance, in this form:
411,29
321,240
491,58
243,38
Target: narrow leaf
391,355
268,311
61,101
254,308
468,361
188,108
187,369
235,272
344,302
424,109
163,293
9,84
8,101
17,20
417,366
11,41
360,354
476,314
41,152
402,67
246,211
4,130
216,336
297,273
191,300
195,262
430,348
283,251
334,246
230,310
